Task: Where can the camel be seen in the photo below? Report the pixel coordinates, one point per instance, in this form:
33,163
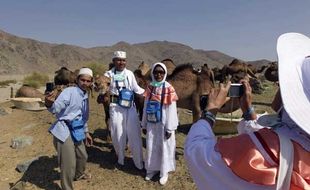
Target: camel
205,68
271,73
144,68
256,70
65,77
101,85
218,76
30,92
236,67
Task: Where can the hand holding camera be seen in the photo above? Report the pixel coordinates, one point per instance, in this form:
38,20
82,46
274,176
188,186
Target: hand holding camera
218,97
246,99
50,97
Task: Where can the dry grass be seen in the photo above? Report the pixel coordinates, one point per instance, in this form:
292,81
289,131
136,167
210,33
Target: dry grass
36,80
7,83
263,101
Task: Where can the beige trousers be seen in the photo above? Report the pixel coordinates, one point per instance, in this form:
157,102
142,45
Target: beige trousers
72,160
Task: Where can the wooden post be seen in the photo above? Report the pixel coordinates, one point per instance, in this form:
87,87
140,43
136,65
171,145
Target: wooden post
12,91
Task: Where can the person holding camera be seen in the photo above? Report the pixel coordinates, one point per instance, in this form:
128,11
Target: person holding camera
159,122
269,158
124,122
71,109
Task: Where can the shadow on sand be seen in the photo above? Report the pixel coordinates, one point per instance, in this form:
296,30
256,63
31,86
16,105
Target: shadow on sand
42,173
103,154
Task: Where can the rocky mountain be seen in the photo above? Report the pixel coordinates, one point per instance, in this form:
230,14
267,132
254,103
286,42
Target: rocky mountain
22,55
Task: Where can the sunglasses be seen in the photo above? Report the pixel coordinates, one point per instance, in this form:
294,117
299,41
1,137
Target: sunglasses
158,72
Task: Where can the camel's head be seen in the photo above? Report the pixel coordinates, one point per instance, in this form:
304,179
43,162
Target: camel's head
101,84
144,68
64,76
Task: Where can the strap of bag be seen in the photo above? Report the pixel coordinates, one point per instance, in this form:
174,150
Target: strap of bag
116,82
286,162
162,101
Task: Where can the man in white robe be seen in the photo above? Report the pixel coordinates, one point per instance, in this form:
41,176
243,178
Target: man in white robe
124,122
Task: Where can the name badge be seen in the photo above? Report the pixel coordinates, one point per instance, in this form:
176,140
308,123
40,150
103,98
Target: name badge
119,77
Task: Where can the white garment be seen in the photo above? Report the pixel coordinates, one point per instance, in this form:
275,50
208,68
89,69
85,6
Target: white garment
124,123
249,126
288,127
206,165
130,81
160,152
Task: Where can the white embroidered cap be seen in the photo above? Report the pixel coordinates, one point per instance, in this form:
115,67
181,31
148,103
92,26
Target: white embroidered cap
294,77
86,71
119,54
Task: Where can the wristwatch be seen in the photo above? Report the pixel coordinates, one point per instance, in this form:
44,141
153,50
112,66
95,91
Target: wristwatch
209,116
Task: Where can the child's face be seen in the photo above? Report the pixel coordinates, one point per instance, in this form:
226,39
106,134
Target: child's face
85,82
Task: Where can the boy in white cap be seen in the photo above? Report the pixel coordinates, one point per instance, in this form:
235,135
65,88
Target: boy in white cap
71,109
124,121
276,158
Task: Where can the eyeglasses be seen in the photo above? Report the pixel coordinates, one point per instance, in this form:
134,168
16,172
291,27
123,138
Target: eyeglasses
158,72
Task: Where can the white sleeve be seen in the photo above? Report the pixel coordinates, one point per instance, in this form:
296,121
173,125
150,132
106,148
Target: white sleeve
249,126
144,122
172,120
200,155
135,87
108,74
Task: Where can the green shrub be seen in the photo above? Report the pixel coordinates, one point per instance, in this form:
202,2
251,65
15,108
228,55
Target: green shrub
36,80
6,83
97,68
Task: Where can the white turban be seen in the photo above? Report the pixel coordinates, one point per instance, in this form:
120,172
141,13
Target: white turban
86,71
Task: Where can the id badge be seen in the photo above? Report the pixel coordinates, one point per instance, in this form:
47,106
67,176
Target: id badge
119,77
125,103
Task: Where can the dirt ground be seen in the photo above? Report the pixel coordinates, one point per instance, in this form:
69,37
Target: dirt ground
44,173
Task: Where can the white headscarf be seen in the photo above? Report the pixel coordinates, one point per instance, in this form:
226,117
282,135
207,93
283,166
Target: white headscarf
154,82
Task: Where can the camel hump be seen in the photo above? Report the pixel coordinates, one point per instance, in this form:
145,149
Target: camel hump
170,65
30,92
64,77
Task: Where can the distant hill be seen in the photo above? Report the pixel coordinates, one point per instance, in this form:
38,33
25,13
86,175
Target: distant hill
22,55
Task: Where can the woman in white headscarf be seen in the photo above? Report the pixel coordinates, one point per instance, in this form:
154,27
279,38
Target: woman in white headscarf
277,158
160,121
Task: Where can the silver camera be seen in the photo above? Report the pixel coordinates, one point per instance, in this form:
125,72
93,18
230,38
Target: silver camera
236,90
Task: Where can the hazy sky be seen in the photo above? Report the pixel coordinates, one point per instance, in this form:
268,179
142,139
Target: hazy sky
246,29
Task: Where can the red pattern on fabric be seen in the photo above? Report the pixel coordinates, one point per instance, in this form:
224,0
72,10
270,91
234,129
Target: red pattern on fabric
169,94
